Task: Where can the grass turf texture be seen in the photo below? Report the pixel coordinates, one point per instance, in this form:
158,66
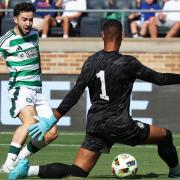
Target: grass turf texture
150,166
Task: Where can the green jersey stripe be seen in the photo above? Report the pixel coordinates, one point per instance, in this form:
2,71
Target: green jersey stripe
23,63
13,100
2,50
26,83
25,73
27,39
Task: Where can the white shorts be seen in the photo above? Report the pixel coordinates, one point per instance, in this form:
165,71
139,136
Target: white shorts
140,23
23,96
167,23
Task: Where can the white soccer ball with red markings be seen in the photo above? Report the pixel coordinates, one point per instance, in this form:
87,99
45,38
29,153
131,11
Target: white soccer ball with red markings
124,165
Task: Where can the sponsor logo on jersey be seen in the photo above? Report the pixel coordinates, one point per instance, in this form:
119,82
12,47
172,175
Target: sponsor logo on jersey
32,53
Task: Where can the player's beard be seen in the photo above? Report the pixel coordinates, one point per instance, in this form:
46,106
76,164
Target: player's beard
22,32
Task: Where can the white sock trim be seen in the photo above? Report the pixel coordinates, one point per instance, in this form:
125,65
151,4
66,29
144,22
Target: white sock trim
33,171
16,145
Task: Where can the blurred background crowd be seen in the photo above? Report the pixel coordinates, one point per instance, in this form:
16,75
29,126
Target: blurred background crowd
84,18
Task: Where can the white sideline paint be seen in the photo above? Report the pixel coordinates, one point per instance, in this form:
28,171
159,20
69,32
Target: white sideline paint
80,134
72,134
61,133
75,145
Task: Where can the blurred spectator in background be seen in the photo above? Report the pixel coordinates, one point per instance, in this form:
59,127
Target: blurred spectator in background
166,19
111,4
69,18
123,17
49,20
139,22
40,17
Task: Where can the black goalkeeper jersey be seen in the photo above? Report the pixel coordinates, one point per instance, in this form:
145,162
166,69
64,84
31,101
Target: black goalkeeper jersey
110,77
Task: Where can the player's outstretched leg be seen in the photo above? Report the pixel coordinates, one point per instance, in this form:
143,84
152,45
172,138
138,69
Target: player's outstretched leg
167,151
20,171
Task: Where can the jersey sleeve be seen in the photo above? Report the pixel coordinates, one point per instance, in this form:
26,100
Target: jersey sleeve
2,47
2,53
144,73
74,95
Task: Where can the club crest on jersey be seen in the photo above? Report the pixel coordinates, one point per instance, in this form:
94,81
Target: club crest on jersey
29,100
141,125
22,55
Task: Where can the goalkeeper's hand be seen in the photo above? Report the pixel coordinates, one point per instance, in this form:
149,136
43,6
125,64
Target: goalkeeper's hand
40,128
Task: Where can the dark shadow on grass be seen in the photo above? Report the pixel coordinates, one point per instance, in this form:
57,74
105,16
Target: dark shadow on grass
138,176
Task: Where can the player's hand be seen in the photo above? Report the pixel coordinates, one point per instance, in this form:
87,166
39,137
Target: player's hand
40,128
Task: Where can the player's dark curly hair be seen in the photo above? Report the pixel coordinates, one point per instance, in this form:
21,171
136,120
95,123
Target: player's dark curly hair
24,7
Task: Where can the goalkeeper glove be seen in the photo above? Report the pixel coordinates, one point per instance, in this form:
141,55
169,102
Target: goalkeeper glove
43,126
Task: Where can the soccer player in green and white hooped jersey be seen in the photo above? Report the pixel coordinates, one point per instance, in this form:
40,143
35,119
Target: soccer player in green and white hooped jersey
19,48
22,59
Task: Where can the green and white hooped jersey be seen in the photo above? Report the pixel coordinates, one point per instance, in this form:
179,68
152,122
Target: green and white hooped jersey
22,57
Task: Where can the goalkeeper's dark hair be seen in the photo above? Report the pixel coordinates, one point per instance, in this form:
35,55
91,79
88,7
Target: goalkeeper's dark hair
112,29
24,7
112,23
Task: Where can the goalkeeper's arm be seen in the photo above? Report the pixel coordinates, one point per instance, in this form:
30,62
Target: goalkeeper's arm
57,115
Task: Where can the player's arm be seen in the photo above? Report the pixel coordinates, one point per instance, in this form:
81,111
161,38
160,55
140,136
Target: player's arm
2,51
149,75
74,95
159,78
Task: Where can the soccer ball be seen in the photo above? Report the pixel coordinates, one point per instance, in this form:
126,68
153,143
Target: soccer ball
124,165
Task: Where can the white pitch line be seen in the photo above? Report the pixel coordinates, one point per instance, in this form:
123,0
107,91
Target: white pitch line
75,145
72,134
63,134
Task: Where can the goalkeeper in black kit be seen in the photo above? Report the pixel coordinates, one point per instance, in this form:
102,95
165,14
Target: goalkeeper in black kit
109,76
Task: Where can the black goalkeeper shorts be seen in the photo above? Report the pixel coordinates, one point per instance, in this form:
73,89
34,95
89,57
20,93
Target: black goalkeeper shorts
102,142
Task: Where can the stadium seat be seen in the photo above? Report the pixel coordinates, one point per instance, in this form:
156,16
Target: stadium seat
124,4
7,23
96,4
56,31
91,27
162,30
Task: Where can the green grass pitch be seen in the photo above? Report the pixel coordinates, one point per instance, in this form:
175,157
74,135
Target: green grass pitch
150,166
